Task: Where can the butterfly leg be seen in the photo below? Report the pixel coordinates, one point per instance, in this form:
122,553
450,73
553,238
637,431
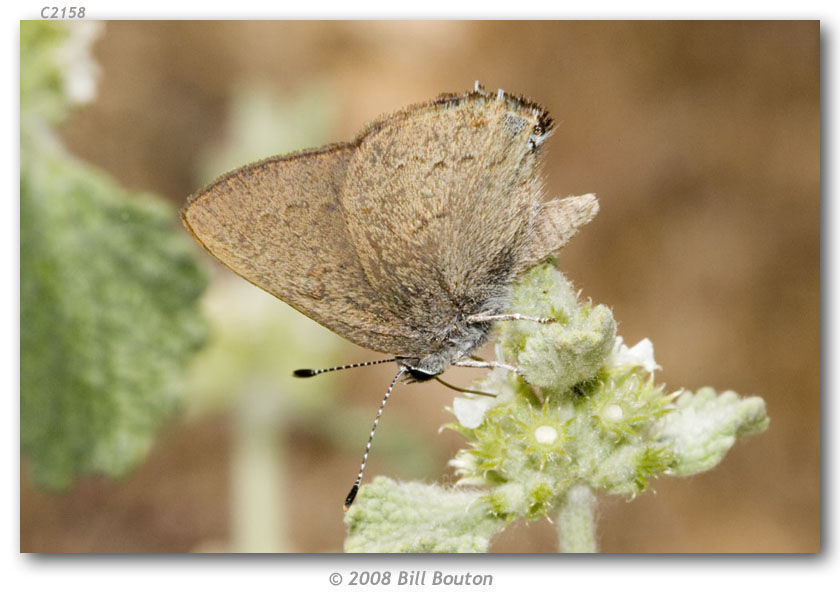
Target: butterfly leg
480,364
482,318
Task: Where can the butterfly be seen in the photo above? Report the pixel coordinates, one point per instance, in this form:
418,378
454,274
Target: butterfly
406,240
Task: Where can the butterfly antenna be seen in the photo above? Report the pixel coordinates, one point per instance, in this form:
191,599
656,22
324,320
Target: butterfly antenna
355,489
313,372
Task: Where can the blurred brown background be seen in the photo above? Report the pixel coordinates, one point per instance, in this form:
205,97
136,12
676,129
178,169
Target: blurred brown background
702,141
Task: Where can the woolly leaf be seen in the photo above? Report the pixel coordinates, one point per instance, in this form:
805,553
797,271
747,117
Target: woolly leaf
412,517
704,425
108,318
563,353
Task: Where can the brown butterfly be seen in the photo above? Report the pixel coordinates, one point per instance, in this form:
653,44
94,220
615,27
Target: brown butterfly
406,240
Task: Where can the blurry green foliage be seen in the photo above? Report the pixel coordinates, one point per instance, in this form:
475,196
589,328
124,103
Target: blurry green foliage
109,286
41,81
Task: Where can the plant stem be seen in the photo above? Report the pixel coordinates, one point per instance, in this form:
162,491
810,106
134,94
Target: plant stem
257,476
576,521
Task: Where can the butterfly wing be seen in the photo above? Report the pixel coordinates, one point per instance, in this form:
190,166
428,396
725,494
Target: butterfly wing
440,202
278,224
557,221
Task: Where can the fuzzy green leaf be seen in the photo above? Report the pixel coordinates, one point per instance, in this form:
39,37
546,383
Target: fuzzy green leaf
412,517
108,318
704,425
566,352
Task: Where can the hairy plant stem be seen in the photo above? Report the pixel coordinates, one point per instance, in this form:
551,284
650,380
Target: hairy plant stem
576,522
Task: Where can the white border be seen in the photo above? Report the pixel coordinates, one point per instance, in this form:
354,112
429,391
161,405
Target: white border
279,577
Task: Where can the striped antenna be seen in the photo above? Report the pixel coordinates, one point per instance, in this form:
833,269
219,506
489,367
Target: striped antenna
355,489
313,372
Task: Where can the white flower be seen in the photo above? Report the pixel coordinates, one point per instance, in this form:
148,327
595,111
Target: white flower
545,434
640,355
470,411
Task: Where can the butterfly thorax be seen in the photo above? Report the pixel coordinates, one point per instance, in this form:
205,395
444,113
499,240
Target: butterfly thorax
462,339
